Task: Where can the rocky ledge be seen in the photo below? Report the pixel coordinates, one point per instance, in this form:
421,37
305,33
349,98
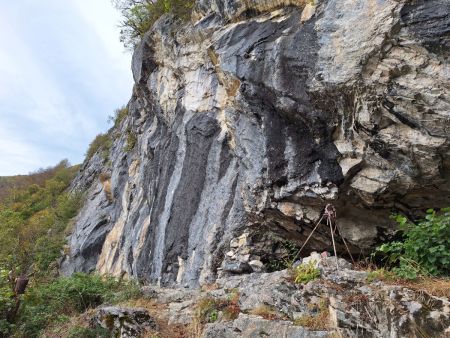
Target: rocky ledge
341,303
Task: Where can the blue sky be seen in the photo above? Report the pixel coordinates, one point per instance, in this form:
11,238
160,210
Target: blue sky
62,73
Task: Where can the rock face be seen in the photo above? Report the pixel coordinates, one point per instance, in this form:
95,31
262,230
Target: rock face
341,303
253,116
123,322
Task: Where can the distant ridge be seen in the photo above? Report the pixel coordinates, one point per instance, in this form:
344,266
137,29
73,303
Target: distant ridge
8,183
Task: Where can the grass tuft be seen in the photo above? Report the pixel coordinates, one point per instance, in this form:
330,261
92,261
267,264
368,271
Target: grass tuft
320,321
305,273
266,311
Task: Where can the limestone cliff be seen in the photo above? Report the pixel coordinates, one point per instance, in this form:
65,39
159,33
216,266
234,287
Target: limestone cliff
255,114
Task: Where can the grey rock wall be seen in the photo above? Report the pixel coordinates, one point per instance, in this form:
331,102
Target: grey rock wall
252,117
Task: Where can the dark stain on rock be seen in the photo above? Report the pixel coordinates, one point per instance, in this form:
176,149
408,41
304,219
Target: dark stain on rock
200,132
429,21
225,158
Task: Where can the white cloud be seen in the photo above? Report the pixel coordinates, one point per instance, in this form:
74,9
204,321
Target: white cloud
17,156
104,19
62,72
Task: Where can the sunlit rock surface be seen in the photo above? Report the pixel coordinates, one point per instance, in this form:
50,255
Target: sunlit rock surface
252,117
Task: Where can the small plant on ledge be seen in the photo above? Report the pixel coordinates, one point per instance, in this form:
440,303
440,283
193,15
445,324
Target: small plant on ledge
131,140
305,273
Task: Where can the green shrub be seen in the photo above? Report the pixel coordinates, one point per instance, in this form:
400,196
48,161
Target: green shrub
131,140
32,223
119,116
139,16
425,248
103,143
47,249
6,303
66,296
380,274
207,309
305,273
124,291
290,250
46,252
67,205
88,332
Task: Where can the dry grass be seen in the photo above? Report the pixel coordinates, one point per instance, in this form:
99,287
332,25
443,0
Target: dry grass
210,287
149,304
206,311
157,310
335,334
381,275
108,190
439,287
61,330
331,285
320,321
210,310
266,311
355,299
434,286
103,177
70,227
365,265
267,7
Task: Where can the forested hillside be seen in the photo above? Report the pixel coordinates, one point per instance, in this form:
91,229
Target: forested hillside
35,217
10,184
34,212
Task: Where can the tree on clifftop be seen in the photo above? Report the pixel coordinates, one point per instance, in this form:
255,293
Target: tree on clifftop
140,15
